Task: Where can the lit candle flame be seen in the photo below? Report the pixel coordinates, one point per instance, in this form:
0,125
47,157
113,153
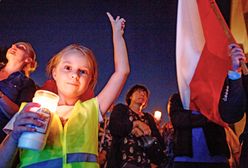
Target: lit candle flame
157,115
46,99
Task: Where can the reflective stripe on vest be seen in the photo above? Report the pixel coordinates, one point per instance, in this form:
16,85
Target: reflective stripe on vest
81,157
71,158
54,163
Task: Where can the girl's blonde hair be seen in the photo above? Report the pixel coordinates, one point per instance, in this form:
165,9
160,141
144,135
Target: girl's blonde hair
54,61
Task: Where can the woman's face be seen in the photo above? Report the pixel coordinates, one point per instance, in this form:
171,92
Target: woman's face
72,74
17,52
139,96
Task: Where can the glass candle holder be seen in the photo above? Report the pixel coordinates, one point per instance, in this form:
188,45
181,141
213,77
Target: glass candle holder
37,140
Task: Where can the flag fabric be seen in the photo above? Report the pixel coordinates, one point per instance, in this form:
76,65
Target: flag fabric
201,56
245,6
237,23
239,30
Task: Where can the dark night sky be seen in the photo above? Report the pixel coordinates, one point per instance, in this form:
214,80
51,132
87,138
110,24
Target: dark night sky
150,36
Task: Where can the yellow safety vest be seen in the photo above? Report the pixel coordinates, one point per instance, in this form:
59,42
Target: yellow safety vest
74,146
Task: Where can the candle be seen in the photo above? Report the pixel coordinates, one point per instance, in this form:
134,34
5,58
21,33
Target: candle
46,99
157,115
37,140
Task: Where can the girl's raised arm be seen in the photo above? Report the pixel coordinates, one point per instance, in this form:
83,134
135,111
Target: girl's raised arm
116,82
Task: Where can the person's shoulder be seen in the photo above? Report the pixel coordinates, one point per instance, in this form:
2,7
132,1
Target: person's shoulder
175,96
20,78
121,107
31,83
149,115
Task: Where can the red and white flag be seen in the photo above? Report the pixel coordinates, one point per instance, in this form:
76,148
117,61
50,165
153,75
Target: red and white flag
201,56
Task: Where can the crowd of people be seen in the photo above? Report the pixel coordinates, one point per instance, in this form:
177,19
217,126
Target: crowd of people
90,131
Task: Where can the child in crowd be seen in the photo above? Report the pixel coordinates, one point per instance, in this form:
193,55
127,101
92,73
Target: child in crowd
73,137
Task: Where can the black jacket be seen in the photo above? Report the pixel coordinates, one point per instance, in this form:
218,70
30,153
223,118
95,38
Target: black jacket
183,121
120,126
233,103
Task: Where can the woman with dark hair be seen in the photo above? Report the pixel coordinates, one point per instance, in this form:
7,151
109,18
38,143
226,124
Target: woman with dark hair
136,141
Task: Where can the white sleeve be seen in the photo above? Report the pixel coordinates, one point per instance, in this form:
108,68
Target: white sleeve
10,125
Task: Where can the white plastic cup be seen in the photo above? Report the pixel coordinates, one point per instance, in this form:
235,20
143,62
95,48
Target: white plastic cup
37,140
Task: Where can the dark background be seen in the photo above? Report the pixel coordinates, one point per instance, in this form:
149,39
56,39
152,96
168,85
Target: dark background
150,36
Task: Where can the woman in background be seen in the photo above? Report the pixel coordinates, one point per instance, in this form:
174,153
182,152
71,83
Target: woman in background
15,84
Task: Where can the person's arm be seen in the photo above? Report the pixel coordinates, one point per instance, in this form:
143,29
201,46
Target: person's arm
119,124
233,98
8,151
154,130
182,118
8,147
140,128
157,155
232,102
8,105
116,82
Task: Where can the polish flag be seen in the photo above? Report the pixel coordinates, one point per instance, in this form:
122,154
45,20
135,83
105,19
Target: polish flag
201,56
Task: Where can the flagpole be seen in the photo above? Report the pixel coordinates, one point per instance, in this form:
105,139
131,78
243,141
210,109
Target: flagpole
227,32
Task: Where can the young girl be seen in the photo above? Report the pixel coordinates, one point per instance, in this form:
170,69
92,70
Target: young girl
73,137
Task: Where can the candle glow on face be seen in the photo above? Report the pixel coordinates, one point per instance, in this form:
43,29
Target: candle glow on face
157,115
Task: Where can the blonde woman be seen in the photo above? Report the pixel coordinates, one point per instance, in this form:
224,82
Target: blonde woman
15,84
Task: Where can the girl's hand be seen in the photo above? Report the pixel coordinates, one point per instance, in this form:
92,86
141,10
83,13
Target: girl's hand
117,24
27,120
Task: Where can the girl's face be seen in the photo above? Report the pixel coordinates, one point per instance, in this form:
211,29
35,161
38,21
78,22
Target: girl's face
72,74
